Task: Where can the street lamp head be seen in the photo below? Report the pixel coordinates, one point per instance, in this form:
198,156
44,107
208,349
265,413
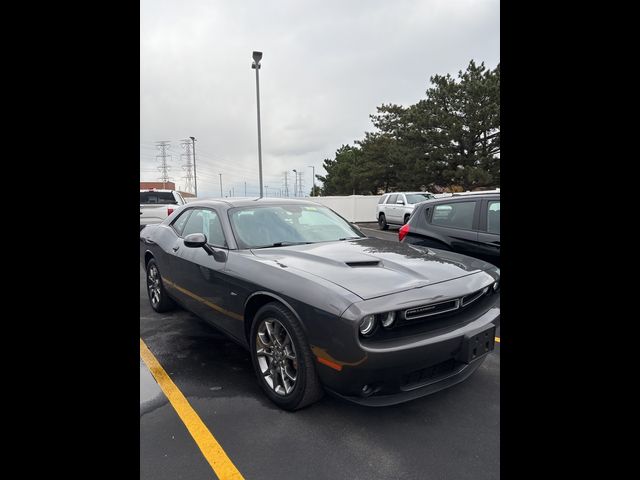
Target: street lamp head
295,170
257,56
192,138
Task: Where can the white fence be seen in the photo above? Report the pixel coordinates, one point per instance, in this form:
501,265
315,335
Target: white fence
355,208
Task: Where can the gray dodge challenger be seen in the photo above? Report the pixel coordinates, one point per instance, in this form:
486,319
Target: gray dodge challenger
320,306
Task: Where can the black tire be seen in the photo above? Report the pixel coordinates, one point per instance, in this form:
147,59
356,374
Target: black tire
382,222
307,388
162,302
406,219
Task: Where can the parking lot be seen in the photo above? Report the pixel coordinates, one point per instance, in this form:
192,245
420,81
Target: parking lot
453,434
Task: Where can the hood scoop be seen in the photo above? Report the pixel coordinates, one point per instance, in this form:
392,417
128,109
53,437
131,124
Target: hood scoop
364,263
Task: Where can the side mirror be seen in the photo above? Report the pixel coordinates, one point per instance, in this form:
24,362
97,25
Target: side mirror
195,240
199,240
400,202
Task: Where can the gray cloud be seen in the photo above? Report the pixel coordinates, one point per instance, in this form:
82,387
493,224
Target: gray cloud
326,67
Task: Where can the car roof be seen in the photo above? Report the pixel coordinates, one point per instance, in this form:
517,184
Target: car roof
149,190
249,201
462,197
397,193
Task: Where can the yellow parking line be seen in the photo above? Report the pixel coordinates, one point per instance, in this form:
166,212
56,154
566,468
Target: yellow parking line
498,339
210,448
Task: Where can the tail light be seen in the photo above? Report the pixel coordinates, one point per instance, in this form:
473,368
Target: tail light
403,231
169,211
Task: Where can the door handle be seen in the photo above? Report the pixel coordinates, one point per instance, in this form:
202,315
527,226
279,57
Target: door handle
175,249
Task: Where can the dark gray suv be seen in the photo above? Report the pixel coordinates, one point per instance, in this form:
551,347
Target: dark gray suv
467,224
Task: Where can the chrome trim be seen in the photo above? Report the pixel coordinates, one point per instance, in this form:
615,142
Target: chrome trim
455,307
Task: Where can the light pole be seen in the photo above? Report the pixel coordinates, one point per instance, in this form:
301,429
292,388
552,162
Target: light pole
257,56
220,185
313,169
195,176
295,183
266,189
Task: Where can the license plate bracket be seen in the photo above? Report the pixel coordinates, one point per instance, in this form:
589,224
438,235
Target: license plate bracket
477,344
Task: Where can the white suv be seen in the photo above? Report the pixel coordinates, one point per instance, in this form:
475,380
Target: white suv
396,208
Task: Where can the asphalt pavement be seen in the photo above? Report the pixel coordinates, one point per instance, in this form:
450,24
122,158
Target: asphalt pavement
452,434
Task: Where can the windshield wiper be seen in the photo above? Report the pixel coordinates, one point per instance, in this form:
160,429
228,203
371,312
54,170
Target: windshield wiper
284,244
347,238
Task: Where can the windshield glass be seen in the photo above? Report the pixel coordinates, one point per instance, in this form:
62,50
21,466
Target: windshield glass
281,225
418,197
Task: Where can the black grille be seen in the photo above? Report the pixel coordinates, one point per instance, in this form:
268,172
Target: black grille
433,309
472,297
425,375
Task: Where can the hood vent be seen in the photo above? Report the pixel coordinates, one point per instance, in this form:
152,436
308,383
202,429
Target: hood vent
367,263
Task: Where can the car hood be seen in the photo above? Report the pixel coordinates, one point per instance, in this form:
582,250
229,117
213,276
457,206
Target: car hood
370,267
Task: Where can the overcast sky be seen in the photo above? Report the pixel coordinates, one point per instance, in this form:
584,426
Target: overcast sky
326,66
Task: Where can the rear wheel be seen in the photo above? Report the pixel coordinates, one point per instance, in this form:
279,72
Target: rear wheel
282,359
158,296
382,222
406,218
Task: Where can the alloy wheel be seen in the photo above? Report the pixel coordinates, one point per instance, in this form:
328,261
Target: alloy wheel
153,284
276,356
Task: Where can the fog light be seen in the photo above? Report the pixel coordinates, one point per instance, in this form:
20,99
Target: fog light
367,325
388,319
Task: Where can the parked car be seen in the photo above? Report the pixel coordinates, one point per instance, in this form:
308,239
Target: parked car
396,208
319,305
156,205
467,224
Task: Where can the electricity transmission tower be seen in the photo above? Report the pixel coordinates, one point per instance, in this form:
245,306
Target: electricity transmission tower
286,184
164,168
300,184
187,167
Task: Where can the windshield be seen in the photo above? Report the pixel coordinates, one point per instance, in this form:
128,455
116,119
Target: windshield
417,197
281,225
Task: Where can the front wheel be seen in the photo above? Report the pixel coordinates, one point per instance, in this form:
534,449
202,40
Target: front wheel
382,222
158,296
282,359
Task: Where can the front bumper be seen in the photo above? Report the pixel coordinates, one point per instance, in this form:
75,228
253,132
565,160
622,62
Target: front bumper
416,363
422,367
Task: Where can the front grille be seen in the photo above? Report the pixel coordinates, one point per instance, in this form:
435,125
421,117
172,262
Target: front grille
426,375
432,309
444,307
472,297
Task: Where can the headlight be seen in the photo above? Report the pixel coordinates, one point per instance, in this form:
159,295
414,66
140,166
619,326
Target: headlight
387,319
367,325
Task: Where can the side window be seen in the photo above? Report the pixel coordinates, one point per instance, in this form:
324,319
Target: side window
382,199
206,221
181,221
493,217
455,215
392,199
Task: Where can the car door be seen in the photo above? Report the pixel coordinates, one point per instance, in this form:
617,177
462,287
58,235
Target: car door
200,277
489,230
400,209
390,208
455,224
